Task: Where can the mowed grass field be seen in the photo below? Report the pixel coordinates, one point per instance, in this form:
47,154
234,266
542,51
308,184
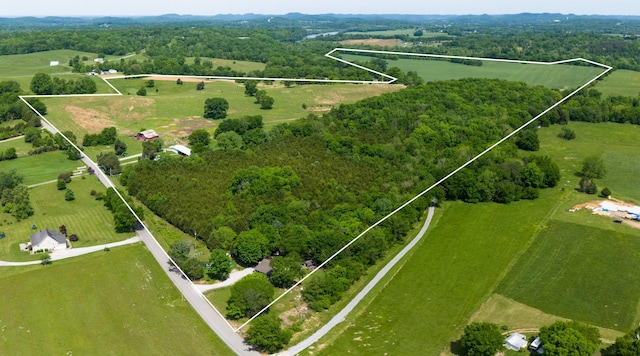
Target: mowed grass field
549,263
620,82
109,303
552,76
581,273
39,168
85,216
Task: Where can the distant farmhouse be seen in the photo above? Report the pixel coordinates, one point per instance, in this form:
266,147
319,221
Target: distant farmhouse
47,240
146,135
54,63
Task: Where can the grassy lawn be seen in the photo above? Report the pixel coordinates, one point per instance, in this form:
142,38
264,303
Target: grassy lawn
620,82
84,216
555,76
22,148
41,168
116,303
580,272
447,278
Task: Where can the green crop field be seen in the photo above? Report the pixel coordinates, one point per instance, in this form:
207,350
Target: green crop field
117,303
84,216
582,273
407,32
40,168
552,76
620,82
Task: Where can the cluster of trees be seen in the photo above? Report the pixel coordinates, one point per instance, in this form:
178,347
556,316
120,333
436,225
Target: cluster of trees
12,108
123,219
557,339
310,186
107,136
44,141
43,84
182,254
251,89
15,196
216,108
627,345
592,168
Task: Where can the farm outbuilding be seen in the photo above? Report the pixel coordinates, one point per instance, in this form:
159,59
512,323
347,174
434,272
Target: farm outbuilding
54,63
146,135
515,342
48,240
181,150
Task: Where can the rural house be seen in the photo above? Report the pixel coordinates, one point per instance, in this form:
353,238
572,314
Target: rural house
146,135
264,267
47,240
181,150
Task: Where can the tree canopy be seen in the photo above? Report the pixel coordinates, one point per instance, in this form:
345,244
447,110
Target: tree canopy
481,339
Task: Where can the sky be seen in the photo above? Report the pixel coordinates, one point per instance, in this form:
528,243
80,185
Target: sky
41,8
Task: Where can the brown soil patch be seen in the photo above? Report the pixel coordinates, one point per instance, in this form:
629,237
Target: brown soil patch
93,121
374,42
181,128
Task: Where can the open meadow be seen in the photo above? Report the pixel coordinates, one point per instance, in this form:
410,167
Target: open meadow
537,255
84,216
620,82
117,303
552,76
39,168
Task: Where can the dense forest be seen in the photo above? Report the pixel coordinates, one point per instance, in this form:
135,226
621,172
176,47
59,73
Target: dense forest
313,185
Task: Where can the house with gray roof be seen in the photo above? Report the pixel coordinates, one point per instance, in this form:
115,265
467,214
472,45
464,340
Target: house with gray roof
47,240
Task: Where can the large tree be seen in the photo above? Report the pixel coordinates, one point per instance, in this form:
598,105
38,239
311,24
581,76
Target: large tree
481,339
627,345
285,270
569,338
110,163
593,167
216,108
249,295
219,265
267,335
42,84
250,247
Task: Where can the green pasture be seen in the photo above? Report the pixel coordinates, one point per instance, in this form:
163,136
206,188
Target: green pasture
617,143
445,280
582,273
84,216
40,168
118,302
240,66
22,148
620,82
552,76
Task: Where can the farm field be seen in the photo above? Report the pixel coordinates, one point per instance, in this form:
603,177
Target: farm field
468,267
39,168
84,216
174,111
552,76
407,32
142,312
620,82
581,273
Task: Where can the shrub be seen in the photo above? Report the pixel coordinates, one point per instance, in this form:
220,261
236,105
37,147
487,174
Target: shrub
73,238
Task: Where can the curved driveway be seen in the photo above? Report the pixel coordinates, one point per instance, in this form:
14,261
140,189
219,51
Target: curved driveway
340,317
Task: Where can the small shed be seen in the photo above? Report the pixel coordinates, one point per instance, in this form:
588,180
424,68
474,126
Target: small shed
181,150
515,342
54,63
48,240
264,267
146,135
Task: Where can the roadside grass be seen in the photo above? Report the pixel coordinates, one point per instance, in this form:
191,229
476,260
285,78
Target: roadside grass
445,280
117,302
41,168
620,82
580,272
616,143
84,216
501,310
552,76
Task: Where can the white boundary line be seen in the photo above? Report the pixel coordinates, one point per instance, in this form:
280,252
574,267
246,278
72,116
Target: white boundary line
329,55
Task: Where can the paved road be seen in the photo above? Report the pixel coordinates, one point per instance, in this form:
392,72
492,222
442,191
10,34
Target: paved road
73,252
340,317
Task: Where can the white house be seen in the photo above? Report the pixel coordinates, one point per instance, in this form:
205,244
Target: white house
48,240
54,63
516,342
